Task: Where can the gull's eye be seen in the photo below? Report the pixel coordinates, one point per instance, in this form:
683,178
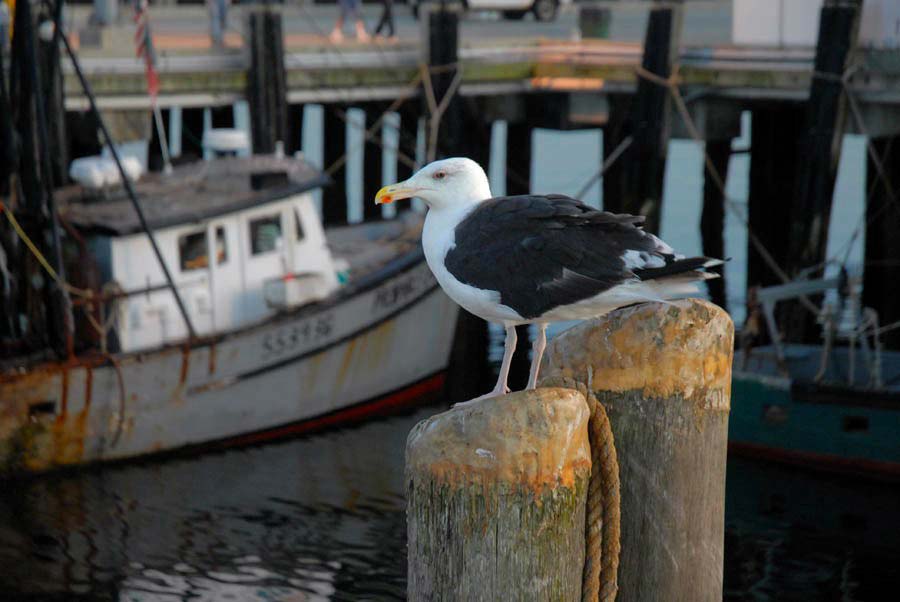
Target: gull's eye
440,175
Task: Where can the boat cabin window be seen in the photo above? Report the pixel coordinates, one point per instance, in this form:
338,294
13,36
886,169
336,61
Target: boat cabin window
192,250
265,234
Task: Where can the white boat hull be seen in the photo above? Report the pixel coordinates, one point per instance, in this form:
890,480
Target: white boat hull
253,384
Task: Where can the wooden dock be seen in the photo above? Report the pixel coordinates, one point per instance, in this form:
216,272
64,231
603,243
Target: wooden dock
802,102
325,73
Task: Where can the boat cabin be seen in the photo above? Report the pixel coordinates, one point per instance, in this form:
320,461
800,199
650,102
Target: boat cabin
240,236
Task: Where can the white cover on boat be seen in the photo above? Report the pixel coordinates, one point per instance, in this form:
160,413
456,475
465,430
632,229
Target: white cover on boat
97,172
225,140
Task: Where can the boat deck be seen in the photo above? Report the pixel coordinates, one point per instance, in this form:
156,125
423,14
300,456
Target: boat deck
803,363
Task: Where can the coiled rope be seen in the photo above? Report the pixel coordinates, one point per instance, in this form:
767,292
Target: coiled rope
602,519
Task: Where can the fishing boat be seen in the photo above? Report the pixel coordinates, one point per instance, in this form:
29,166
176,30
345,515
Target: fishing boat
288,326
204,305
833,406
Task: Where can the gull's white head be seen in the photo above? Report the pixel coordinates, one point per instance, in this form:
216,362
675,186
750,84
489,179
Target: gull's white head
442,184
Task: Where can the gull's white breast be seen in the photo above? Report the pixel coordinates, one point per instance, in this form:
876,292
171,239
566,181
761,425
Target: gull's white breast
438,237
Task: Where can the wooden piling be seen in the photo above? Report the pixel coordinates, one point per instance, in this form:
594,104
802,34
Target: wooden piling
820,153
293,141
496,499
518,181
266,83
155,160
774,131
334,146
614,132
440,47
712,219
662,371
192,133
643,165
881,274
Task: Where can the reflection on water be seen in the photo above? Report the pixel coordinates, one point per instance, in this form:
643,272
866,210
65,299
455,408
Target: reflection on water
305,520
322,518
793,536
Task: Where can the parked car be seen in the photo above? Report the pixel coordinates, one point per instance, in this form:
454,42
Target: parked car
543,10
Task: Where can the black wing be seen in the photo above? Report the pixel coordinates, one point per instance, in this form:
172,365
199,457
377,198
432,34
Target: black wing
540,252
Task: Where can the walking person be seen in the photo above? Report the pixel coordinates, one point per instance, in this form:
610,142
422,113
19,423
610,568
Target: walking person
387,21
349,8
218,21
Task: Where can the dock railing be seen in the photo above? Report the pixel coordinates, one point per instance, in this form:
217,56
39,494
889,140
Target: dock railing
610,477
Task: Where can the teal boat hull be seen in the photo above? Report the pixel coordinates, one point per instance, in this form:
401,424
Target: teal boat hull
829,426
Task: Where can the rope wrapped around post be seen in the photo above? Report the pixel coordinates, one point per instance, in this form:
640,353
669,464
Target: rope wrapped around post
602,519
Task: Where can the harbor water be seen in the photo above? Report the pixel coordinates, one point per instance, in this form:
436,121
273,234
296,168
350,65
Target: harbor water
322,517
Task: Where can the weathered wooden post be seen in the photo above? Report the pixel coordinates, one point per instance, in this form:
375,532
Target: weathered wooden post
496,489
496,497
662,371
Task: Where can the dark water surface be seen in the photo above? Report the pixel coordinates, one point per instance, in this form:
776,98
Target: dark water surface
322,518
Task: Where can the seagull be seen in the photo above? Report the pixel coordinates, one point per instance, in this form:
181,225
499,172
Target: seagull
536,259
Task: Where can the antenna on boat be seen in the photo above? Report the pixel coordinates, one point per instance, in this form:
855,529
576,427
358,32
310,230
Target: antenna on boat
126,181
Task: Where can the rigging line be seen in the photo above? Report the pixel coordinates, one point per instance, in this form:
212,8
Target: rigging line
607,163
436,110
41,259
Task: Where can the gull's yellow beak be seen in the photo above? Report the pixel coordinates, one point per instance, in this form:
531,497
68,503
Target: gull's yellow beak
394,192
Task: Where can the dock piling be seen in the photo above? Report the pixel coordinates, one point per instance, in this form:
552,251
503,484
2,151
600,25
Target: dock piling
774,131
266,82
643,165
496,499
518,181
712,218
334,146
662,371
496,489
440,52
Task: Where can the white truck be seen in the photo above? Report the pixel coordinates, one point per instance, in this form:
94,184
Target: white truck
543,10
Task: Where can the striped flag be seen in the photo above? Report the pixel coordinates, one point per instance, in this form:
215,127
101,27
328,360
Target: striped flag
143,44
